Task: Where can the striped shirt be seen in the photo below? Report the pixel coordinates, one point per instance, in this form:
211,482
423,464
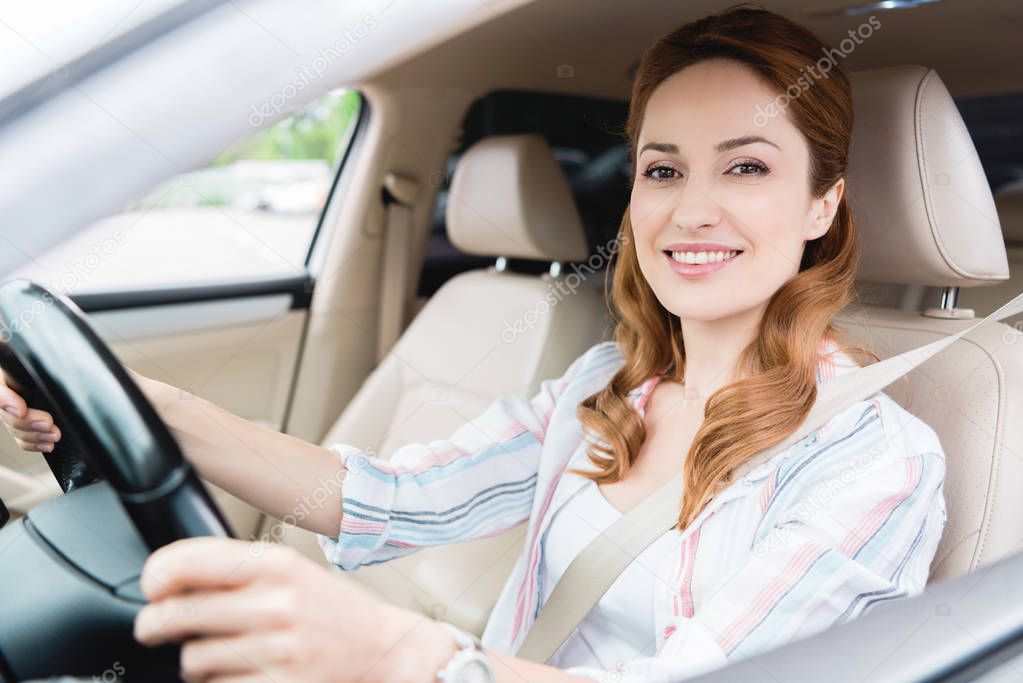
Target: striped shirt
846,518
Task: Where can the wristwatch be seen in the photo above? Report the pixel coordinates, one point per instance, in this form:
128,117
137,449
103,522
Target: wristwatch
471,664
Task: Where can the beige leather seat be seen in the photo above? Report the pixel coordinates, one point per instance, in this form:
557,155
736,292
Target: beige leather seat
1009,203
484,334
927,218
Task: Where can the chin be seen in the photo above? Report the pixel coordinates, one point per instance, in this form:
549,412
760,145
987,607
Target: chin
704,309
699,315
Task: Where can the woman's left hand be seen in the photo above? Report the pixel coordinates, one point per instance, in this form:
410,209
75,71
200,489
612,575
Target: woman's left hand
263,612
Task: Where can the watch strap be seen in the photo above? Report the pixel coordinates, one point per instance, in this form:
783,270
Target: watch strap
470,648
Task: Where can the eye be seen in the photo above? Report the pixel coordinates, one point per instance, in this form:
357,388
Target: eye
653,171
758,169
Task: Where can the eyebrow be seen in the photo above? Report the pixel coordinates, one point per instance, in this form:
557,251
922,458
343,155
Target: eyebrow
723,146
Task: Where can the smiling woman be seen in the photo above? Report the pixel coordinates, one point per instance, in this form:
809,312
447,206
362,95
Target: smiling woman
744,247
737,251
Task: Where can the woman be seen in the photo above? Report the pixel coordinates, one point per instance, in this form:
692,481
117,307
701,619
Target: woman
736,252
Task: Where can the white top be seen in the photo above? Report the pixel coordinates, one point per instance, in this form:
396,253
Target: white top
620,627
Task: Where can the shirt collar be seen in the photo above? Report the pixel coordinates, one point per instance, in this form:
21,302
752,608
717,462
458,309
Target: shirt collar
831,363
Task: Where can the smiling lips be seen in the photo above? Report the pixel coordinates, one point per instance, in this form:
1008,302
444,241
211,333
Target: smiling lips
700,263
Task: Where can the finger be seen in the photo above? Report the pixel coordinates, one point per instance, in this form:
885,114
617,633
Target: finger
215,613
33,419
34,438
35,447
11,401
203,659
201,563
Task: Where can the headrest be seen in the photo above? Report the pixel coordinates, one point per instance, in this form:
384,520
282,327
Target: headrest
1009,202
509,197
920,199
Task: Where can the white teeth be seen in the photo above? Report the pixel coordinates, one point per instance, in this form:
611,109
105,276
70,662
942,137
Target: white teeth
699,257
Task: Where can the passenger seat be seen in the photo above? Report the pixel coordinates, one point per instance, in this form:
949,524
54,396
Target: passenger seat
484,334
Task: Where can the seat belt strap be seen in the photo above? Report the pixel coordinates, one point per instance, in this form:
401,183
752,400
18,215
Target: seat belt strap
592,572
395,272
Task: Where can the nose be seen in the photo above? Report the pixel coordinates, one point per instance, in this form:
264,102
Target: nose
694,208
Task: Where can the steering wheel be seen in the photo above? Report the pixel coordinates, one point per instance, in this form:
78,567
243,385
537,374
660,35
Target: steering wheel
69,572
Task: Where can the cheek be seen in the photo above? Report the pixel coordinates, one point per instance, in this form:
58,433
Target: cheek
772,221
649,211
768,219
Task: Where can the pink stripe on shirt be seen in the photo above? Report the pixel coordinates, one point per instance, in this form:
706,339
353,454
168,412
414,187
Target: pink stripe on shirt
869,525
770,594
445,457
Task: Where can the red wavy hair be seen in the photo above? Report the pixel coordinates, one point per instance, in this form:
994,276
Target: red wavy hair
778,369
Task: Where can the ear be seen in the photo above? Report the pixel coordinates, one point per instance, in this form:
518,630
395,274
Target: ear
823,210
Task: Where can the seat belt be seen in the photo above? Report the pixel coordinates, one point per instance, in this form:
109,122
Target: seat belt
400,197
594,569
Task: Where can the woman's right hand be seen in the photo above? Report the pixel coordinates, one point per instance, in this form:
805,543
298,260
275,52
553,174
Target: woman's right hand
31,428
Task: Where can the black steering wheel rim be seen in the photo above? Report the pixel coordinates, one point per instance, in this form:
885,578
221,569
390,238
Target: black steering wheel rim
109,429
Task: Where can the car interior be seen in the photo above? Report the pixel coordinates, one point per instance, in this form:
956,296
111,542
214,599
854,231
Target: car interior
901,113
487,171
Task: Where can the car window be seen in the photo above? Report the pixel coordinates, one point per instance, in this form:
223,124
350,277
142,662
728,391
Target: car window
250,214
995,123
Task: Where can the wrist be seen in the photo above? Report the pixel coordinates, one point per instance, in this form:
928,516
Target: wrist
424,648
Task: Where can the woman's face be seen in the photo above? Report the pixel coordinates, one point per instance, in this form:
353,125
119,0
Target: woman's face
713,175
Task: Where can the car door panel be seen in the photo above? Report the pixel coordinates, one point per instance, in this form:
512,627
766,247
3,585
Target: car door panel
239,353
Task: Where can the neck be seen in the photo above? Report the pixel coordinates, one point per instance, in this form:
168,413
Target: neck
713,347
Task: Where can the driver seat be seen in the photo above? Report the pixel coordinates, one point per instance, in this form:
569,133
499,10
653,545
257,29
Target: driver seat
484,334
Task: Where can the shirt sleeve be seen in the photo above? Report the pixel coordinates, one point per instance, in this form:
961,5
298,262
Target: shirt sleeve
476,483
854,524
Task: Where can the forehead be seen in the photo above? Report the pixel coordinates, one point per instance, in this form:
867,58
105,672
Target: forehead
713,100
